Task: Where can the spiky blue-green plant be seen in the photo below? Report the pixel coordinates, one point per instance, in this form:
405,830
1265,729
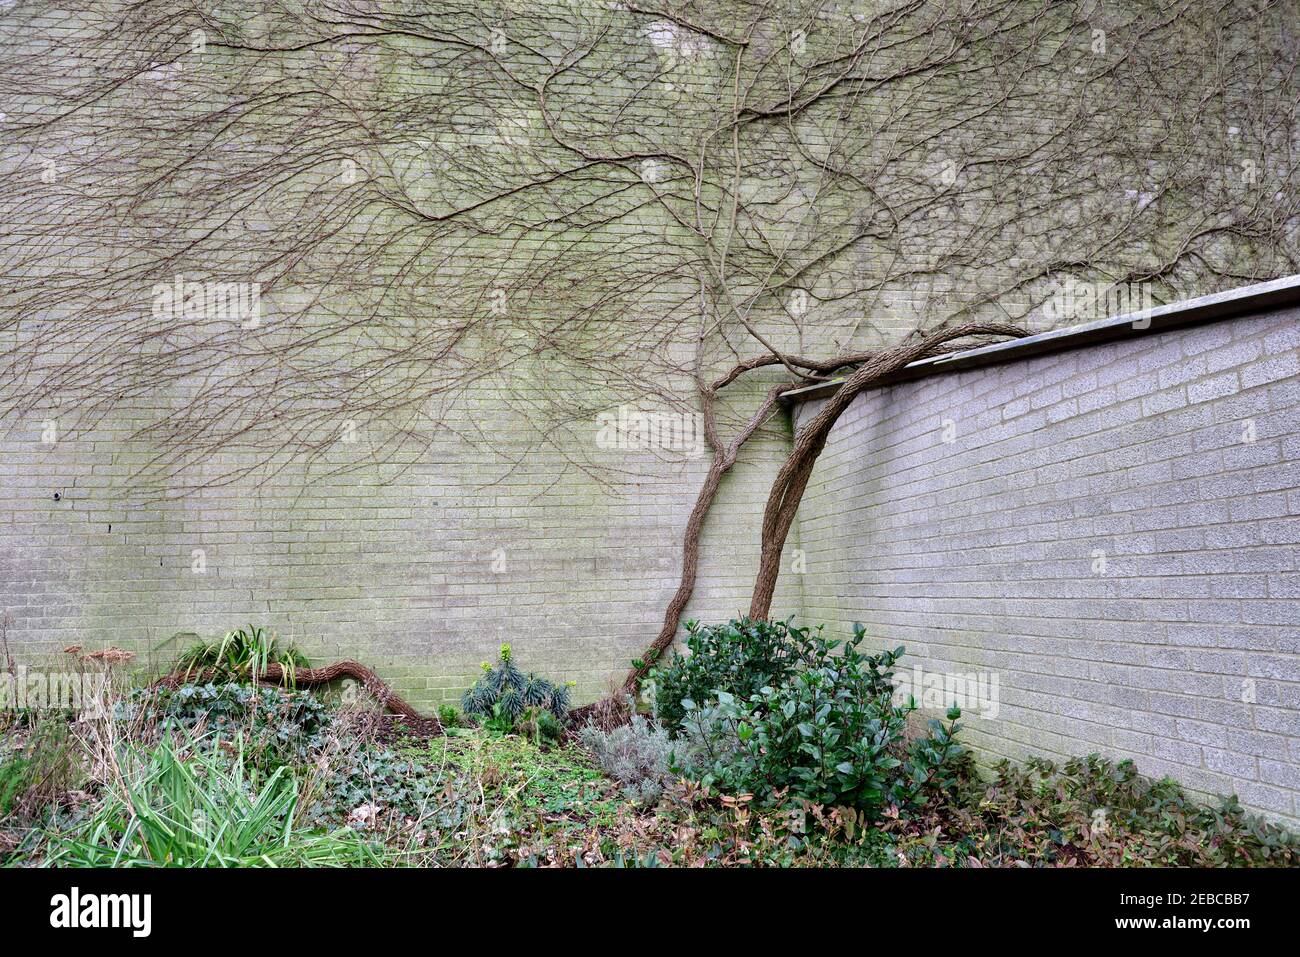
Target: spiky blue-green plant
505,685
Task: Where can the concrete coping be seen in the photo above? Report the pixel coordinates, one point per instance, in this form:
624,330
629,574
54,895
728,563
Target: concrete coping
1258,297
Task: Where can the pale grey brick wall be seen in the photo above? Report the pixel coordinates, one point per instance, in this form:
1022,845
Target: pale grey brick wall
978,554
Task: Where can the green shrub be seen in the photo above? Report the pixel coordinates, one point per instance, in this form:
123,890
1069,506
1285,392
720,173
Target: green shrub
503,693
189,805
829,734
242,655
738,658
741,658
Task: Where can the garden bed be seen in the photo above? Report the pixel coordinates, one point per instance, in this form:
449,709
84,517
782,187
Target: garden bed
806,761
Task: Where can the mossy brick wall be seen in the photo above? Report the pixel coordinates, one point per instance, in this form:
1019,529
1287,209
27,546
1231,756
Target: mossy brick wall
1111,530
420,574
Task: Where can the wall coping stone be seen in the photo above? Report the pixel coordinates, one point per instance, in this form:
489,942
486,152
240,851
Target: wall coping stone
1255,298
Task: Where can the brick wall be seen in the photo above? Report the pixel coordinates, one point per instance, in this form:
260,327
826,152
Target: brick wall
1111,531
420,572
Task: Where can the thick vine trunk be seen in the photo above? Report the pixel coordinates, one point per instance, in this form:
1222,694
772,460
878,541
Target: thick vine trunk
724,457
787,489
792,480
274,674
611,711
